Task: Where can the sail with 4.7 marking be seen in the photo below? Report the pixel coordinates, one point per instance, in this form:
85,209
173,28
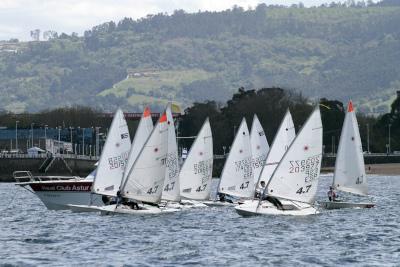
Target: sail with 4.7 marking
171,182
145,179
237,175
196,172
296,176
349,168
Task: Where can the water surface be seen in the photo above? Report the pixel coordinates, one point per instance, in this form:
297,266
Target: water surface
31,235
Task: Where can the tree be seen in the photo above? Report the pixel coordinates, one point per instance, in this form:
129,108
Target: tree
35,34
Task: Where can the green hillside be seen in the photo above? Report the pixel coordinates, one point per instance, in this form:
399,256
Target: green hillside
334,51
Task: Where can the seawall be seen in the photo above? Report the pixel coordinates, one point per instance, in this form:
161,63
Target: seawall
79,167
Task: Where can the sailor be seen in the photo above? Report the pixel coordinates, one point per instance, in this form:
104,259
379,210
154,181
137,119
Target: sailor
221,197
331,194
119,197
260,189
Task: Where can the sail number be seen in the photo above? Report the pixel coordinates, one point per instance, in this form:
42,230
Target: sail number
360,180
152,190
118,161
301,191
310,167
245,167
169,187
244,185
201,188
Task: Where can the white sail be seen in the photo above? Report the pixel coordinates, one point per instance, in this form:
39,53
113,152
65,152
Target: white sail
296,176
237,175
259,147
143,132
349,168
283,138
114,157
171,182
145,179
196,173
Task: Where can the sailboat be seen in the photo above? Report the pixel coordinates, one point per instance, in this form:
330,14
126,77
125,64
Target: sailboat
145,180
196,172
171,190
237,175
292,187
143,132
283,138
118,130
259,148
114,158
349,173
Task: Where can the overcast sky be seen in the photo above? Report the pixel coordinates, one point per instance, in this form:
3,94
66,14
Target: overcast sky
19,17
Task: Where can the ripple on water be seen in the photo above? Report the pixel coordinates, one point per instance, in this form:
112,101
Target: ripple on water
31,235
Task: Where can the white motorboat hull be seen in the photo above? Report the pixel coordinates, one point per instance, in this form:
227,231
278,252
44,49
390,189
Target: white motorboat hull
330,205
251,208
58,195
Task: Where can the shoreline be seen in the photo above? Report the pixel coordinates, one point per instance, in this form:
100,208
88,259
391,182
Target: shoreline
390,169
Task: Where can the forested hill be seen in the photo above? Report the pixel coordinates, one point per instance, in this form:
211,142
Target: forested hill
332,51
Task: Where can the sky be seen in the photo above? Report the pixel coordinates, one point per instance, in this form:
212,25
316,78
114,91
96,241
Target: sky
19,17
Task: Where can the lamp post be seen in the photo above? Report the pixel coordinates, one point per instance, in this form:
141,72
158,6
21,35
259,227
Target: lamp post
389,150
32,132
59,139
70,130
45,132
16,135
83,141
97,141
45,137
368,138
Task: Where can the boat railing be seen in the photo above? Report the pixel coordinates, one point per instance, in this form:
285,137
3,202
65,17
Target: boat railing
26,176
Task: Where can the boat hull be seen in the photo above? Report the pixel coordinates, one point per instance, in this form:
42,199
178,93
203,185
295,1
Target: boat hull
331,205
251,208
122,209
215,203
57,195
